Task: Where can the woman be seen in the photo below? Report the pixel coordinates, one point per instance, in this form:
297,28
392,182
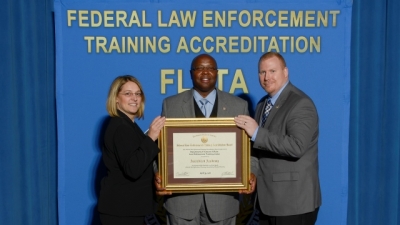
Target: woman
127,194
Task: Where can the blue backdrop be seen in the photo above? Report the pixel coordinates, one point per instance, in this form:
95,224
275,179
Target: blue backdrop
28,151
156,41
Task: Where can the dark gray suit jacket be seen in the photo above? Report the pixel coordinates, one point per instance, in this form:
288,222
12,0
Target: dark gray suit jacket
219,205
287,149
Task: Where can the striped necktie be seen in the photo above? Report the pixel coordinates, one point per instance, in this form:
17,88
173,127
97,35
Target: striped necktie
268,108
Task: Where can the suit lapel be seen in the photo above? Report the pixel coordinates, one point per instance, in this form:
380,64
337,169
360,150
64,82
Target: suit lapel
222,105
132,124
187,105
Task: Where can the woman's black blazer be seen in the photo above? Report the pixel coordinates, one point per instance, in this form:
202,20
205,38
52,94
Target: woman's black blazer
128,154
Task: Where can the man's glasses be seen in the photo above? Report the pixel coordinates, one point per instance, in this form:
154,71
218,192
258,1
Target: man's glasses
202,68
131,94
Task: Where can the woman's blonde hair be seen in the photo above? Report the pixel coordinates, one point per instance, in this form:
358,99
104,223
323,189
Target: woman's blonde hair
115,88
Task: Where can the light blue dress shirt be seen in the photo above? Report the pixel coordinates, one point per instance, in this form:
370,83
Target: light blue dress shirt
211,101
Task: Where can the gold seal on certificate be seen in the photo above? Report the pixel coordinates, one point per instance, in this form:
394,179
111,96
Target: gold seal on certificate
204,155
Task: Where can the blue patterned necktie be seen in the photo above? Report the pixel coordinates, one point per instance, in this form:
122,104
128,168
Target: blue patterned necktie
268,108
203,106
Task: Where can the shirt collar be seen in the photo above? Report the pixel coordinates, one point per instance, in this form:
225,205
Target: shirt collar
210,97
276,96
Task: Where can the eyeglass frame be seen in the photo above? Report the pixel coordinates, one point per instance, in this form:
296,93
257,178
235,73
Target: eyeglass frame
130,94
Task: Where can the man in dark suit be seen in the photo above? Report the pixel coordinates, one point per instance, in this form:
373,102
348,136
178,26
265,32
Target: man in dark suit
285,141
204,100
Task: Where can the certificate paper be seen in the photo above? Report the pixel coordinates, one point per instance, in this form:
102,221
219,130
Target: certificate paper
204,155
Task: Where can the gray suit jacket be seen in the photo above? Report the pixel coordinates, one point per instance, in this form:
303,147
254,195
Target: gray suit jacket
219,205
287,149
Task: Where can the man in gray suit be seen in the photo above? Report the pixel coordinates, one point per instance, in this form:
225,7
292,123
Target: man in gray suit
285,141
204,100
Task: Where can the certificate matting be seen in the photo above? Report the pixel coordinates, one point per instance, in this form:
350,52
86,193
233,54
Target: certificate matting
213,155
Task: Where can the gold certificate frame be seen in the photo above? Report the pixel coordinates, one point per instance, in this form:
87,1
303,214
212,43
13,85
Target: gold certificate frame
203,155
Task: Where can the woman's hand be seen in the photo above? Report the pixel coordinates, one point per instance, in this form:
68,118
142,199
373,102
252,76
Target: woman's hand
155,127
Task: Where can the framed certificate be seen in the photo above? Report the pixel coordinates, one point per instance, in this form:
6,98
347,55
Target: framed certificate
203,155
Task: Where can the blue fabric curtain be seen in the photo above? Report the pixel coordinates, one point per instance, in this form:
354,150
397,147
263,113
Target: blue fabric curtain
374,158
28,187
